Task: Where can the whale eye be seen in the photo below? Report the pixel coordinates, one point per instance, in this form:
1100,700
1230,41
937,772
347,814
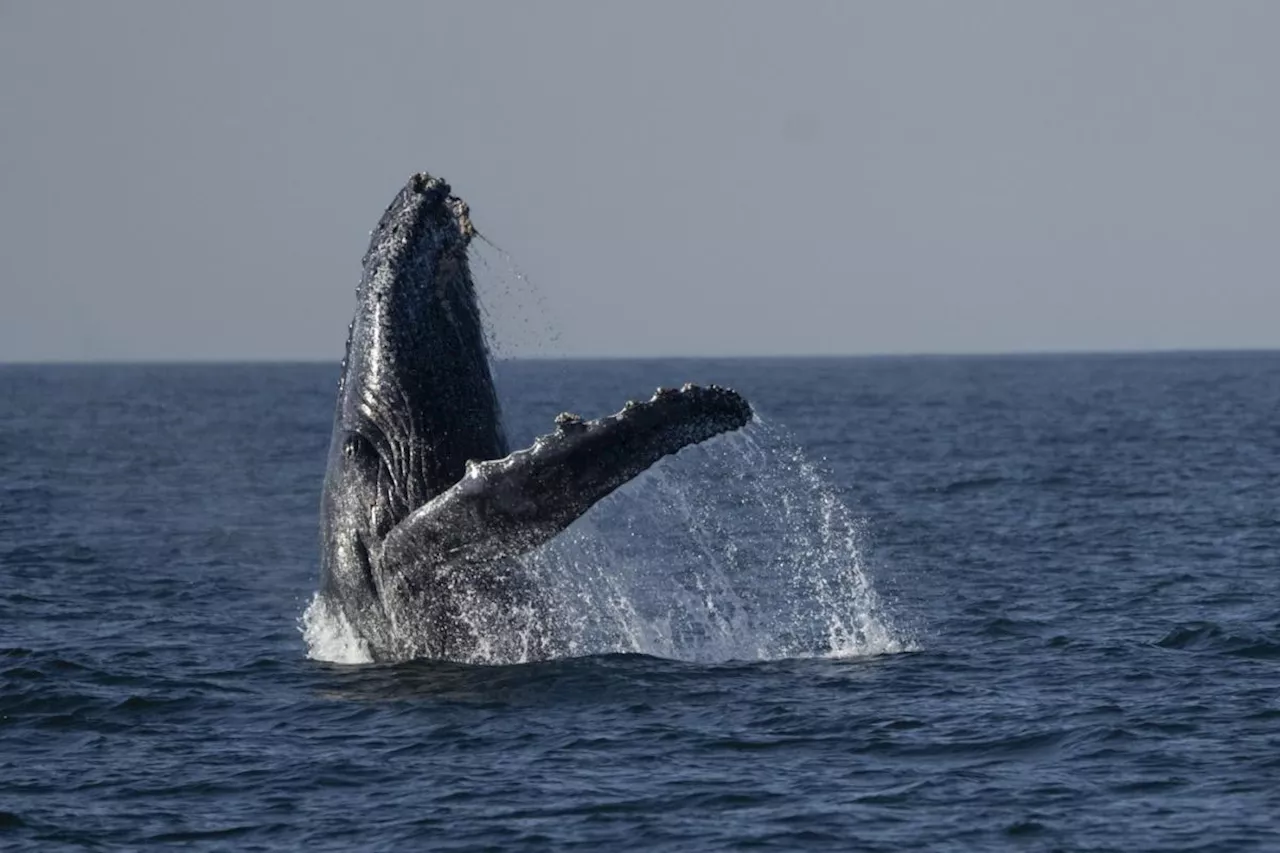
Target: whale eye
357,447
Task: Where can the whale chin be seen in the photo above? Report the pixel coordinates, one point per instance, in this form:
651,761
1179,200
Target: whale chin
423,504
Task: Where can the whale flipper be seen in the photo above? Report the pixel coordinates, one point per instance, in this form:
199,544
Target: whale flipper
506,507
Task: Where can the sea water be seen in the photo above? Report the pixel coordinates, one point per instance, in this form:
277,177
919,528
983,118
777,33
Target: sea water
921,603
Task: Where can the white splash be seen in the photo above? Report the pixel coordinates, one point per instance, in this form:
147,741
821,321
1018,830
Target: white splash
330,637
735,550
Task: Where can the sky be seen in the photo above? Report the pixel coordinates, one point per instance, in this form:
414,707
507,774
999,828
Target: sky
197,181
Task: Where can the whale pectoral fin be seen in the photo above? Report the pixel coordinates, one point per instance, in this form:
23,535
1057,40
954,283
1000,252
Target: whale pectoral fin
508,506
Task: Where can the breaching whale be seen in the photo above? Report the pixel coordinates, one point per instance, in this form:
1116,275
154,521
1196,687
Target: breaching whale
424,511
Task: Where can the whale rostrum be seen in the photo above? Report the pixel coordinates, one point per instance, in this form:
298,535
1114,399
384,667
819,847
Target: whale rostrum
424,511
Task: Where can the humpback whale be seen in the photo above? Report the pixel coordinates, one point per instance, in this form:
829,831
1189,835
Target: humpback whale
424,511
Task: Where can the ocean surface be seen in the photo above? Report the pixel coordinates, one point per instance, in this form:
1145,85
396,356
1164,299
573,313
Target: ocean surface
1023,603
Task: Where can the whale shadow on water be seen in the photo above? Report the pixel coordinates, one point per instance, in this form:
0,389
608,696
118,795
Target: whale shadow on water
438,543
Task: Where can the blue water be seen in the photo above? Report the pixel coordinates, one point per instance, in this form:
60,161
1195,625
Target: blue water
1023,603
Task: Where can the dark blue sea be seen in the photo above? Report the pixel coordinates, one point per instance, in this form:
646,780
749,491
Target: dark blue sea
986,603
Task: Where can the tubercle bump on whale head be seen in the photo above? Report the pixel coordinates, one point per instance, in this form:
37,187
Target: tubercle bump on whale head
437,193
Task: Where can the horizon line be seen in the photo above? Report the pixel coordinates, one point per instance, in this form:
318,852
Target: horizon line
923,354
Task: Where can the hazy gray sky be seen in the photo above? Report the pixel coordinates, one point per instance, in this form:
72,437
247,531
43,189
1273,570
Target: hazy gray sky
183,180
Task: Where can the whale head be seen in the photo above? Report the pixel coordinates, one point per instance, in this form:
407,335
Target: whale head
417,391
416,398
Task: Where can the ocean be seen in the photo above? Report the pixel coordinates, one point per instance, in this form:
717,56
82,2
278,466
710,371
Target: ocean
923,603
